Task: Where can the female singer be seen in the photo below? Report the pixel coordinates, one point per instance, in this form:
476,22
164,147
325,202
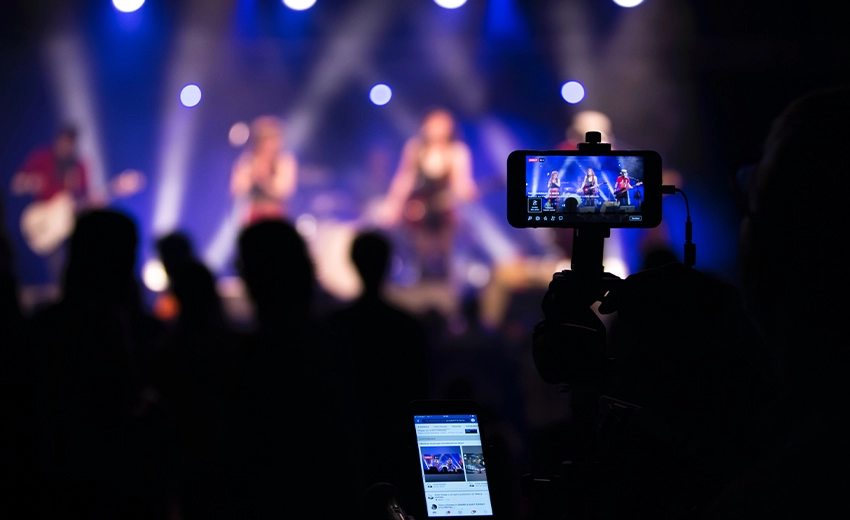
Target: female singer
433,177
265,174
554,190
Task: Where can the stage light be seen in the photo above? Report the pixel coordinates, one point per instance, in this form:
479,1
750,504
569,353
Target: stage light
572,92
380,94
239,134
450,4
299,5
153,274
190,95
628,3
127,6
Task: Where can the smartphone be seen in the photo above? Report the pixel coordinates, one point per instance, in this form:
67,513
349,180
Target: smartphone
446,438
580,189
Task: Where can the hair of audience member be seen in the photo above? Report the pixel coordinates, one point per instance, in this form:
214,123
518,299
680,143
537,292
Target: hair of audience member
792,261
194,287
174,249
277,269
371,252
102,257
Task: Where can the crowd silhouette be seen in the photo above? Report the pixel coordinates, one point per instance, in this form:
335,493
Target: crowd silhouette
110,412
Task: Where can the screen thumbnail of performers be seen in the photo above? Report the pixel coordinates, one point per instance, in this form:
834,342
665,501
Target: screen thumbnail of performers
442,463
561,185
473,462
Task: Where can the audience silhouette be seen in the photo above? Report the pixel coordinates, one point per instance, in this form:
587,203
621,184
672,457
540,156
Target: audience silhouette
101,445
196,374
385,350
16,434
793,281
291,428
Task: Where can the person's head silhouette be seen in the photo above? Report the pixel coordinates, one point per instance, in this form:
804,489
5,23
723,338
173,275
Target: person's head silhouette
194,287
371,253
174,249
102,256
792,250
275,264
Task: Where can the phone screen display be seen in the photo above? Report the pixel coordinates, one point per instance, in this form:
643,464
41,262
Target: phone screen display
572,189
452,464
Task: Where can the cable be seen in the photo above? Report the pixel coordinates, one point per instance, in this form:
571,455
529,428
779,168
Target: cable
690,247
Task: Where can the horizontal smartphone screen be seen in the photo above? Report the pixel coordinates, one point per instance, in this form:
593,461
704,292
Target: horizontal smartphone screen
584,189
452,464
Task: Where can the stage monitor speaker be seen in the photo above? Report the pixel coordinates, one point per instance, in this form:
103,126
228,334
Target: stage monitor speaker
610,207
587,209
627,209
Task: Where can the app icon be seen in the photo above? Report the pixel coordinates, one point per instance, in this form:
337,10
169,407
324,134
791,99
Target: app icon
537,217
560,217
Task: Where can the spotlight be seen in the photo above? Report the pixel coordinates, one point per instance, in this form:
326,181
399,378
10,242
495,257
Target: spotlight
127,6
299,5
450,4
380,94
153,275
239,134
572,92
190,95
628,3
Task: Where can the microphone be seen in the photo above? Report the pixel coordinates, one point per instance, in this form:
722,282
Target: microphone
381,502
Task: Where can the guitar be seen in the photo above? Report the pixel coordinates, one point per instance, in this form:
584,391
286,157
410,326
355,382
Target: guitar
46,224
620,193
586,189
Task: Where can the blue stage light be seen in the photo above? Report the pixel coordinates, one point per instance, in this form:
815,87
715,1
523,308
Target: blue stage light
380,94
450,4
127,6
299,5
572,92
628,3
190,95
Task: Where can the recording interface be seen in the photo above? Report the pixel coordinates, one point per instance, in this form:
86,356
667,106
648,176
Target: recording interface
453,470
582,189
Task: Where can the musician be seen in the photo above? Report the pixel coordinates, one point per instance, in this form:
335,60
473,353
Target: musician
554,190
48,172
622,187
52,169
434,175
590,187
265,175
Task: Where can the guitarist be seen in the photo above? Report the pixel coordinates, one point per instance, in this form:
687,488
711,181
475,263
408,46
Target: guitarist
622,188
52,169
49,171
590,187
